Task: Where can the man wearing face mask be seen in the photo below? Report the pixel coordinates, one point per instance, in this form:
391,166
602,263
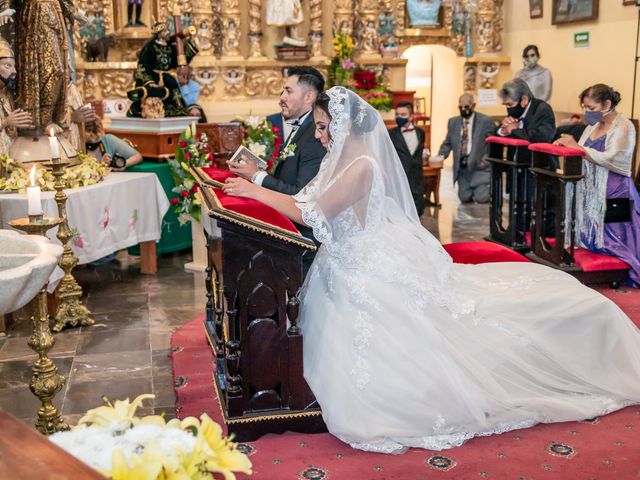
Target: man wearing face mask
537,77
465,138
10,118
408,141
528,118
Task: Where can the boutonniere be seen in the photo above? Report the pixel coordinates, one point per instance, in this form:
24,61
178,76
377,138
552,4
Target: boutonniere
288,151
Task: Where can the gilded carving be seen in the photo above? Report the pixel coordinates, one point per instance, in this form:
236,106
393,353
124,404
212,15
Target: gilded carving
90,87
343,17
116,84
206,78
469,77
255,28
233,80
487,73
261,82
315,27
367,31
488,25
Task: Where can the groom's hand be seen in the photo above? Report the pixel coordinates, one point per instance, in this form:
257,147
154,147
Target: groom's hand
243,170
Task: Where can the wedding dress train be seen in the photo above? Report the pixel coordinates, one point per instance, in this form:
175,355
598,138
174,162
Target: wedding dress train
403,348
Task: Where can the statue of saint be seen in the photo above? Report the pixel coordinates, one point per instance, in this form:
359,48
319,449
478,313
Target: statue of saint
286,13
154,77
134,12
10,117
423,13
43,58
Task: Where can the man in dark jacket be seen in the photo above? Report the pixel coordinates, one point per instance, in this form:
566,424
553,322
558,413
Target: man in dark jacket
528,118
300,153
408,141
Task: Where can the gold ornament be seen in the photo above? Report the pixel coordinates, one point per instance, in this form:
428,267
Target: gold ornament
5,49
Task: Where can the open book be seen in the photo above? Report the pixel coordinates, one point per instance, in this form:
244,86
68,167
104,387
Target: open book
243,154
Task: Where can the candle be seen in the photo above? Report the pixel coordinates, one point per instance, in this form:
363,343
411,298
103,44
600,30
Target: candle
193,129
53,144
33,195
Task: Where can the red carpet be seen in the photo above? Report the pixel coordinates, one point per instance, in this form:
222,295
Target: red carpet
603,448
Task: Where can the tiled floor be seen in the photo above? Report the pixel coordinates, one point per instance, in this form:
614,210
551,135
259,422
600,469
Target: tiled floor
126,353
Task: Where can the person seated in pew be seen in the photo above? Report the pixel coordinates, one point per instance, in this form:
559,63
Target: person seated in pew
607,201
109,148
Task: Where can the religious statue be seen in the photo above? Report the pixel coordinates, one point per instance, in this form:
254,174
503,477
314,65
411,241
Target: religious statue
10,117
134,12
369,37
153,76
286,13
386,32
231,39
43,58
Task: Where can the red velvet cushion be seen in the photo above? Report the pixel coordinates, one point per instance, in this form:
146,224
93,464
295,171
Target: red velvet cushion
482,252
556,150
515,142
218,174
256,210
596,262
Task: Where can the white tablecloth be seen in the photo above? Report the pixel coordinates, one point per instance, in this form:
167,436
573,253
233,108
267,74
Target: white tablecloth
121,211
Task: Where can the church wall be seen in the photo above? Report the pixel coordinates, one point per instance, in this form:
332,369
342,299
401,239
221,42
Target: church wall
609,58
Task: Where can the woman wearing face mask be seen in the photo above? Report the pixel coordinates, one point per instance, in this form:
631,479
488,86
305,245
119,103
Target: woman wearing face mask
607,201
537,77
107,147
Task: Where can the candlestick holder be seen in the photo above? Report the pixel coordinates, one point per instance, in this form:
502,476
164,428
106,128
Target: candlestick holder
45,380
70,311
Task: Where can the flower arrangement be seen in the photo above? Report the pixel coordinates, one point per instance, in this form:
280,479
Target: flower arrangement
262,139
16,178
345,72
121,446
191,152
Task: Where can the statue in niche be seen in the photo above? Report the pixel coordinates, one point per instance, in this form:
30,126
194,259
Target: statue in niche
154,77
134,13
232,39
386,31
370,37
286,13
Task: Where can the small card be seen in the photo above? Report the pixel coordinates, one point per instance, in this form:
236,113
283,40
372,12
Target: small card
243,153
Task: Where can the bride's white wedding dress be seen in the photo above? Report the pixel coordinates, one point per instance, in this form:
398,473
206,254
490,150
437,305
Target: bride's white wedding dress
402,348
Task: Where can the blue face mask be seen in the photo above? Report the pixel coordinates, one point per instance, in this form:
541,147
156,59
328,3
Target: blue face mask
591,118
401,122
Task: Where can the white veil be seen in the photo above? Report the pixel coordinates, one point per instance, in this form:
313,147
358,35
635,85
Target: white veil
359,147
360,200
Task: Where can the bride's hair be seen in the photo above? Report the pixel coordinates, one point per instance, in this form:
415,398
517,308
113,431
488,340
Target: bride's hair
322,102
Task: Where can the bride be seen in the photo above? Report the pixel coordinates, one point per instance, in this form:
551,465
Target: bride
403,348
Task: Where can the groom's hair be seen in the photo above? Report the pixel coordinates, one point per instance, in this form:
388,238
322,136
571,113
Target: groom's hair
308,76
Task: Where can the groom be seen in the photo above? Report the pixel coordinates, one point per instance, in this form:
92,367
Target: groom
300,153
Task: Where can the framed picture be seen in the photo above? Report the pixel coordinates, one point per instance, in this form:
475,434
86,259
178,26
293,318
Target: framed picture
423,13
570,11
630,2
535,8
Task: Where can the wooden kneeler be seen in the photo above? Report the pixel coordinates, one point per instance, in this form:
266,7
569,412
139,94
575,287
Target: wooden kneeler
510,160
550,200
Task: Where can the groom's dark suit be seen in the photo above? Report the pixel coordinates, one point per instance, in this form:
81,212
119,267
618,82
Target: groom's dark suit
298,169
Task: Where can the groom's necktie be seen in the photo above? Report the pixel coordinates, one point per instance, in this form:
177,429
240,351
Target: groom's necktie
295,124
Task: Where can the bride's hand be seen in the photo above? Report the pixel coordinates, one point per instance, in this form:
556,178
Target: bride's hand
239,187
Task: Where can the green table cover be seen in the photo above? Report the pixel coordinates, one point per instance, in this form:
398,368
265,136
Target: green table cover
174,236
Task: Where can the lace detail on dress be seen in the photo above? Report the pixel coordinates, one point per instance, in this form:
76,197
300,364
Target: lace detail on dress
360,368
312,218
